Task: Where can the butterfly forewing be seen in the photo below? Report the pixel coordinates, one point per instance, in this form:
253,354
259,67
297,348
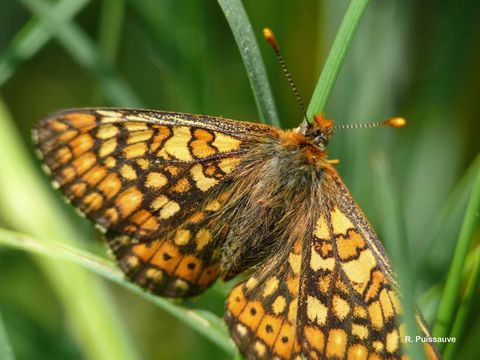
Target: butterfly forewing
155,178
137,173
347,306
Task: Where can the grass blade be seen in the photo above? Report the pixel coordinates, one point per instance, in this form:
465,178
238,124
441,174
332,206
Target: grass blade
6,351
202,321
112,16
26,203
449,298
336,56
396,243
34,35
461,319
111,22
245,38
86,53
448,221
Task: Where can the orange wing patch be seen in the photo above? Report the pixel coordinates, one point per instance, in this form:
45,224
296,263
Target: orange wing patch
262,311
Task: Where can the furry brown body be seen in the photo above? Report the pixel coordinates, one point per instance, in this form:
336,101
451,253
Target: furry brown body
275,194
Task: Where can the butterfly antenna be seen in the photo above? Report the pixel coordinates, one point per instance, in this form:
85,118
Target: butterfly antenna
396,122
272,41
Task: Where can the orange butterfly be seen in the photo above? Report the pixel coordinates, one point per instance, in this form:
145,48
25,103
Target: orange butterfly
184,199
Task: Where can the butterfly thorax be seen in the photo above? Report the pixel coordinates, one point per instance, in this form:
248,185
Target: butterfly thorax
276,189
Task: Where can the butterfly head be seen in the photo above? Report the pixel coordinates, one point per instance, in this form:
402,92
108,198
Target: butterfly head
319,131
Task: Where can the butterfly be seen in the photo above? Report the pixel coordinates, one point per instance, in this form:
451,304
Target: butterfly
186,199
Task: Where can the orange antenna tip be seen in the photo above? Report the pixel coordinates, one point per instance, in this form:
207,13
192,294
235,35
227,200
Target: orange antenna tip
396,122
270,38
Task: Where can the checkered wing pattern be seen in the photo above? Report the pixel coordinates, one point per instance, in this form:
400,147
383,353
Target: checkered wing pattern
154,182
332,297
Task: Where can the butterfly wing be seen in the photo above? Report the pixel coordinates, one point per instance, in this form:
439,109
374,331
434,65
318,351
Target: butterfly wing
348,307
153,181
261,311
333,297
181,263
348,293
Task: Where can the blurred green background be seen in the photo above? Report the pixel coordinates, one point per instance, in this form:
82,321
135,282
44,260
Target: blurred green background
417,59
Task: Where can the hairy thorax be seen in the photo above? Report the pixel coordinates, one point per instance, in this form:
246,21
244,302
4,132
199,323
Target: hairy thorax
276,191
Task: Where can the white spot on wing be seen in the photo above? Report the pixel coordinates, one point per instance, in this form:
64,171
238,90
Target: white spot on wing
46,169
242,330
109,113
101,228
79,212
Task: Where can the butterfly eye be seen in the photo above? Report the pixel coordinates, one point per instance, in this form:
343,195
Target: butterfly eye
319,137
320,143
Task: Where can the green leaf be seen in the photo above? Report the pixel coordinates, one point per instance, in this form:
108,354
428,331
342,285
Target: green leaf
110,30
395,240
6,351
26,203
248,47
449,300
465,310
206,323
437,250
447,224
335,58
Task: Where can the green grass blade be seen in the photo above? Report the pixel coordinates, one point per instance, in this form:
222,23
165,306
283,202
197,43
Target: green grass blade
446,225
111,21
435,254
335,58
86,53
245,38
202,321
396,243
465,310
112,17
26,203
34,35
448,302
6,351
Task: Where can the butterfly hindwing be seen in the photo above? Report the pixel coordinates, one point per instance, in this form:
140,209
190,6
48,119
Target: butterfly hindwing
183,262
261,311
